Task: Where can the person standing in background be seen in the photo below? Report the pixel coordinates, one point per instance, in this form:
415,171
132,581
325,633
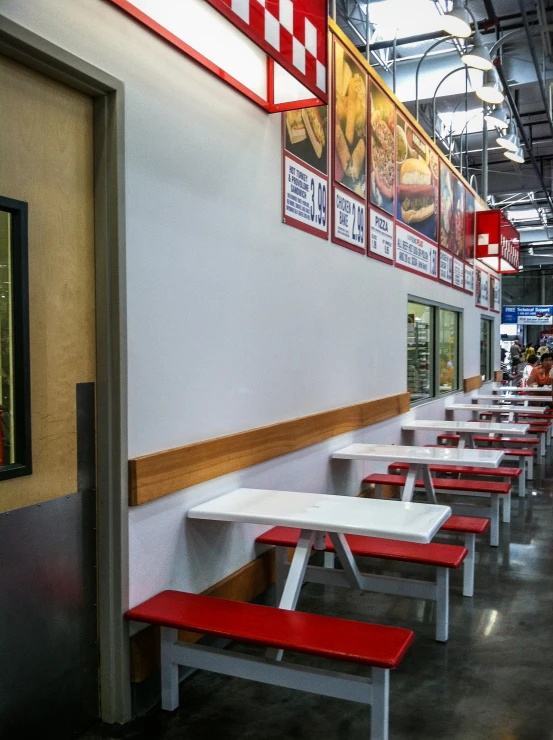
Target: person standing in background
529,351
542,349
516,351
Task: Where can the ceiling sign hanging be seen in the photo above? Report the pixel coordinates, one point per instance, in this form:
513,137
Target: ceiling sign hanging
272,51
497,242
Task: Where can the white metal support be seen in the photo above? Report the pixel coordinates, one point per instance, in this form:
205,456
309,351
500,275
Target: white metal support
169,670
428,485
296,573
410,480
494,521
530,472
281,569
442,604
380,708
522,480
346,558
507,508
468,564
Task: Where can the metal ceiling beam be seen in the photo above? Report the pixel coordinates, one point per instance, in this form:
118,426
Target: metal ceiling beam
524,15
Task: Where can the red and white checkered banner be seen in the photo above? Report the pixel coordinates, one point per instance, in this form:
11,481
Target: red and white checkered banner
292,32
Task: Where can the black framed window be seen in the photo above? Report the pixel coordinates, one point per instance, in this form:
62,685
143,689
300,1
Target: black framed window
486,348
15,388
433,350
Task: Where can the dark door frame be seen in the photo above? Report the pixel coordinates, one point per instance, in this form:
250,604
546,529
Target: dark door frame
33,51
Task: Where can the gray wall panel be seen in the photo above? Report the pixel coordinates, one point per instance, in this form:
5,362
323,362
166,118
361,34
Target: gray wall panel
48,644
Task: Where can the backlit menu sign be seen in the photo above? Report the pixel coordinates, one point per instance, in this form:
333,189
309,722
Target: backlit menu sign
527,315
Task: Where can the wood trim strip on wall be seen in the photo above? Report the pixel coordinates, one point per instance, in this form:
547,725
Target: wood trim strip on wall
472,384
245,584
498,375
162,473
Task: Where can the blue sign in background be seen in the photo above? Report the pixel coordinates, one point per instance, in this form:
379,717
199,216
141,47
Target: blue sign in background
527,315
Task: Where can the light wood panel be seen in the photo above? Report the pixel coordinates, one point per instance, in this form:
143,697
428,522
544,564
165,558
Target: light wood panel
245,584
46,159
472,384
498,375
163,473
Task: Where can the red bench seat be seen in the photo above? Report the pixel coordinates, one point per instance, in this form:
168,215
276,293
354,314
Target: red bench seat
444,484
313,634
462,470
444,556
380,647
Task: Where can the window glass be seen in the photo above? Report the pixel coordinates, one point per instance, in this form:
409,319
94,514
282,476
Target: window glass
448,342
7,448
486,362
420,369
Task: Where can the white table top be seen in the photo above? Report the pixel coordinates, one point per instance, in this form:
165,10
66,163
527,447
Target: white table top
516,389
467,427
519,398
395,520
422,455
495,409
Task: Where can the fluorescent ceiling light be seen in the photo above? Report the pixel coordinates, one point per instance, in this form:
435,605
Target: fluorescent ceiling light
459,119
545,243
523,214
457,21
404,17
479,56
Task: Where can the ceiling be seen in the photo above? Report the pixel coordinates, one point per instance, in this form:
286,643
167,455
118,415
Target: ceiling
523,190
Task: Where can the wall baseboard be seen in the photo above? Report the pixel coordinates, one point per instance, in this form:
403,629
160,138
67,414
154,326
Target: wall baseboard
153,476
246,584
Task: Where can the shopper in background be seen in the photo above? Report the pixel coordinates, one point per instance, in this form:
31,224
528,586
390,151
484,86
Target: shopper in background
541,375
516,351
542,349
529,351
531,363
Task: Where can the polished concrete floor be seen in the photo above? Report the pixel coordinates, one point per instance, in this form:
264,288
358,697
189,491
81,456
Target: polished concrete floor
493,680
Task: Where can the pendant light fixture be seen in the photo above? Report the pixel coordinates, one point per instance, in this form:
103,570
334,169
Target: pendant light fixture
490,91
457,21
496,116
517,156
509,139
479,56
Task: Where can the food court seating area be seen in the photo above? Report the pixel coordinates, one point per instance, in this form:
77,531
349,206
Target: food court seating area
397,601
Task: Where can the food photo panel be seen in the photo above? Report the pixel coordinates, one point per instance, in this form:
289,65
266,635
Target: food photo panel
459,217
447,235
350,122
382,169
417,181
469,226
306,136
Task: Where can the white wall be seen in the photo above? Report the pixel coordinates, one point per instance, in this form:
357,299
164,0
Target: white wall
234,319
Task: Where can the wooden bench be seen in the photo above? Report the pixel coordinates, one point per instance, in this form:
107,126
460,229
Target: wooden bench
482,489
439,556
524,457
379,647
506,474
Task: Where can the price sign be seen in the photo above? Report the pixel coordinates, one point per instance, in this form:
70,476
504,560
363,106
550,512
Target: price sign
305,196
349,219
415,253
446,267
382,232
458,273
469,278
